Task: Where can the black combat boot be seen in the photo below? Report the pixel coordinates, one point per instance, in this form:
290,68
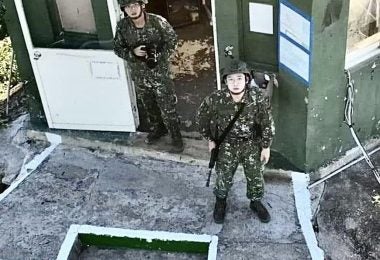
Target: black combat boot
260,210
156,134
177,145
177,142
220,210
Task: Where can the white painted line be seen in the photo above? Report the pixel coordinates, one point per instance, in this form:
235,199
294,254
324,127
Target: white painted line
68,243
303,205
27,169
213,248
147,235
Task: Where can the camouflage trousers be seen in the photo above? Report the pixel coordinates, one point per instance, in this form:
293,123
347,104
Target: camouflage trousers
232,153
155,96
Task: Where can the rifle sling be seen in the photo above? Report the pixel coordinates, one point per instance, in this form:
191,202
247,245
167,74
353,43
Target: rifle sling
230,125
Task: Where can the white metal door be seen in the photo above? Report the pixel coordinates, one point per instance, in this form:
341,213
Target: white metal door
83,89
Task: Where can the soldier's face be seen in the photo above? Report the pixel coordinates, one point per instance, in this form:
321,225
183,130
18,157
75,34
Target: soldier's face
134,10
236,83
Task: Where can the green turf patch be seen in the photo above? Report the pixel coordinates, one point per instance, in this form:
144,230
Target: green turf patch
138,243
85,236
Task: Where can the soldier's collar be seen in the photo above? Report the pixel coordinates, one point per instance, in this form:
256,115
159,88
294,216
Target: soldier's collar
244,97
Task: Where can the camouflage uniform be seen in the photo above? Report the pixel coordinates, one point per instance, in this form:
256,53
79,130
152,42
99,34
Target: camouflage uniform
154,87
253,130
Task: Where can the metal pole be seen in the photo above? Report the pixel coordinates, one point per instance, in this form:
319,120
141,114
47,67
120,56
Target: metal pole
341,169
9,85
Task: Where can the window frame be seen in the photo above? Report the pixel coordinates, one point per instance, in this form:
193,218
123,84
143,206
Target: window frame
362,54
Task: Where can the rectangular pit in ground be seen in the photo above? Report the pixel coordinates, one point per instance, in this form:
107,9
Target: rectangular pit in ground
82,238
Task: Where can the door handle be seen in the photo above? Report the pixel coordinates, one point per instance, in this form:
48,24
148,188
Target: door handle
37,55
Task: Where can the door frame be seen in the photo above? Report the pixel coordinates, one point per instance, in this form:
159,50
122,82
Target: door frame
216,49
29,45
114,11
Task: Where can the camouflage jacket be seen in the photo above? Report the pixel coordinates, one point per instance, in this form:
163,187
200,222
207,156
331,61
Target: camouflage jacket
157,31
218,109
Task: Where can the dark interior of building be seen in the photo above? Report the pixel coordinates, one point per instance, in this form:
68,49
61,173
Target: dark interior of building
193,64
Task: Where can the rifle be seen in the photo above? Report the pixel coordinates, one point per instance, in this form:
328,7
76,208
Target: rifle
211,164
215,151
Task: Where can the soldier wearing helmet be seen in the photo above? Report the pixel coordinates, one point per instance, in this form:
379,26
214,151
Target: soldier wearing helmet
236,66
146,42
248,142
129,5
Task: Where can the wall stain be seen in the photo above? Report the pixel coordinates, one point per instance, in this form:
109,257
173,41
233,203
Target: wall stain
332,13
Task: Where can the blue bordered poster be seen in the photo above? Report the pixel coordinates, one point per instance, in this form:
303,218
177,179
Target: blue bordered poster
294,41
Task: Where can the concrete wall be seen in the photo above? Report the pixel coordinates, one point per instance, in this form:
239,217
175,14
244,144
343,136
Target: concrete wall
367,98
325,128
290,110
327,135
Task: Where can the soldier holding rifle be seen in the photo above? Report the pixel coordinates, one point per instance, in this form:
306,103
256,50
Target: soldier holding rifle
247,140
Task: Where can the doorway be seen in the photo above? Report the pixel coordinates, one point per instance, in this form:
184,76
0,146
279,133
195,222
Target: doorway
193,64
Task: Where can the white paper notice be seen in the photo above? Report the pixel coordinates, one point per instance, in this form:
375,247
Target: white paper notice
105,70
261,18
294,58
295,26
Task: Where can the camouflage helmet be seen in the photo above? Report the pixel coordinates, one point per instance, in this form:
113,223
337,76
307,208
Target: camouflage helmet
127,2
235,66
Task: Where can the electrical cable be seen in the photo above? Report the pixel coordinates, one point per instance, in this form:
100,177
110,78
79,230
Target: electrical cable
348,114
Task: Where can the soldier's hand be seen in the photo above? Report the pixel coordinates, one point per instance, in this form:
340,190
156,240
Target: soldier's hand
140,51
265,154
211,145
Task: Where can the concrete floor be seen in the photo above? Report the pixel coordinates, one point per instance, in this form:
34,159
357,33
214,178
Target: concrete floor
129,190
127,184
348,215
192,89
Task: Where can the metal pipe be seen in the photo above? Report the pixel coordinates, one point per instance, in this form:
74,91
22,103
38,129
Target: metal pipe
9,85
341,169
